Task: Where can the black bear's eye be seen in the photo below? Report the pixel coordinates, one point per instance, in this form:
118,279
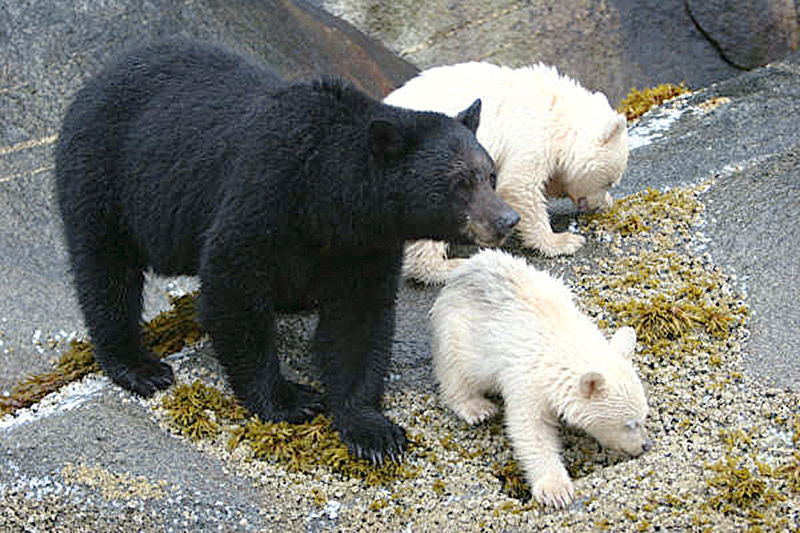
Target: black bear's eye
493,179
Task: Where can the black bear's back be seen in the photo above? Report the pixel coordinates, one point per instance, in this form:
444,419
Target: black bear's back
144,143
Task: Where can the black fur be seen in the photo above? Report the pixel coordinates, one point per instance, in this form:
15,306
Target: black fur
191,160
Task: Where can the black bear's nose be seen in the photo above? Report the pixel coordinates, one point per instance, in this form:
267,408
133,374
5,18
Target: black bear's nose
506,221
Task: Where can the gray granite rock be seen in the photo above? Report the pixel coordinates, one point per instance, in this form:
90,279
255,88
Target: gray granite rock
750,33
610,46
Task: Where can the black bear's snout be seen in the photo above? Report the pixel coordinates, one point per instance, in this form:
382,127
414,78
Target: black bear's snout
506,221
490,219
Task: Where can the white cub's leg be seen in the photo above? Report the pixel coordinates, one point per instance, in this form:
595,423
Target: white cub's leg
426,261
473,408
534,225
460,390
538,451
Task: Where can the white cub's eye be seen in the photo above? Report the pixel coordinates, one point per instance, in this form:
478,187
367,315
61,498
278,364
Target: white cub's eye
631,424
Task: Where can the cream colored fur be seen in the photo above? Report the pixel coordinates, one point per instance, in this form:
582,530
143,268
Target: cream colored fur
502,327
549,137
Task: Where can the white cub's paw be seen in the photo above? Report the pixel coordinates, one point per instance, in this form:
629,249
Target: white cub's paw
560,244
554,488
475,410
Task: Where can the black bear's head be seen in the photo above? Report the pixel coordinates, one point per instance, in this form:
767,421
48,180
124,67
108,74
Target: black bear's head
444,178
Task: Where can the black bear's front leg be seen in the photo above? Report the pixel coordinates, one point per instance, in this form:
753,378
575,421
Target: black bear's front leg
237,309
353,346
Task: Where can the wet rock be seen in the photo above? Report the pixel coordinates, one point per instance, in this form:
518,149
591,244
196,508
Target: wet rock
748,34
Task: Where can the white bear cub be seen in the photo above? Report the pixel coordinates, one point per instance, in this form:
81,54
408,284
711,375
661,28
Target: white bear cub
502,327
548,136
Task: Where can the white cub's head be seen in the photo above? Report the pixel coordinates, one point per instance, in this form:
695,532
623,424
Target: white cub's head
598,155
611,405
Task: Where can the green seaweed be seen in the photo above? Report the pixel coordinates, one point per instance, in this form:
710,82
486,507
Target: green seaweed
196,410
512,481
74,364
738,485
172,330
308,446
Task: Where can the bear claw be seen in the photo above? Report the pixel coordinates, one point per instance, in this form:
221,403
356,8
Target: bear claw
370,435
556,490
144,379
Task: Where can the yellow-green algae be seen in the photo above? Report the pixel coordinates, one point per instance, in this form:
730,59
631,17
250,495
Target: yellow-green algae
312,445
200,411
638,102
633,290
75,363
165,334
171,330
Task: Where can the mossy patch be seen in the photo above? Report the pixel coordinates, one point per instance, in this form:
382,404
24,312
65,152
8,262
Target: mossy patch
739,485
512,481
170,331
200,411
638,102
74,364
313,445
660,291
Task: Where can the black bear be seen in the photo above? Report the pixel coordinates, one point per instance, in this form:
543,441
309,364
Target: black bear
189,159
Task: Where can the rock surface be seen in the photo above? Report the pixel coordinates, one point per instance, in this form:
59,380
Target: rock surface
93,457
748,34
611,46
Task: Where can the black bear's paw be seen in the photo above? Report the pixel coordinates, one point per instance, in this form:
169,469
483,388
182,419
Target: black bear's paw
144,378
288,402
370,435
295,402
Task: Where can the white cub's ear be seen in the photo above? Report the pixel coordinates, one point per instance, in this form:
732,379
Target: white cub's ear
623,341
613,128
592,385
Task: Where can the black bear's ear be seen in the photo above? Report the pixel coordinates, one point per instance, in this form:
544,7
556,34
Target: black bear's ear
471,116
386,139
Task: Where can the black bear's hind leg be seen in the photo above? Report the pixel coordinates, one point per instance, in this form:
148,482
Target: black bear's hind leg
110,294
